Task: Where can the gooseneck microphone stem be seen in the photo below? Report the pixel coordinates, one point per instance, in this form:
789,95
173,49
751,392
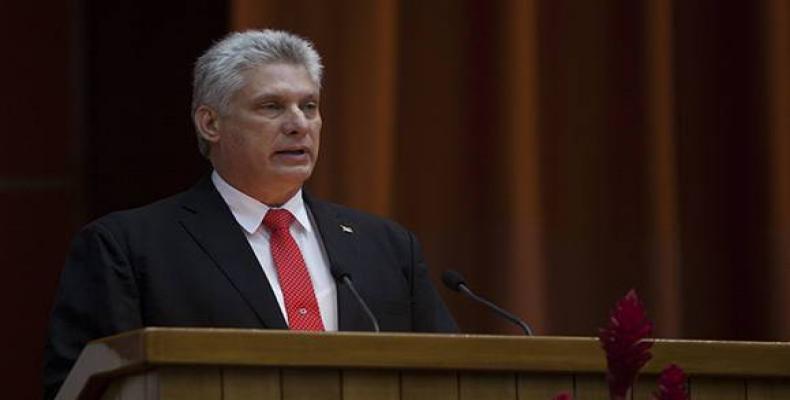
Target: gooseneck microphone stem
347,280
455,281
510,317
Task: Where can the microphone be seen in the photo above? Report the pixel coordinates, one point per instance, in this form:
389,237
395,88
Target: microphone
455,281
345,277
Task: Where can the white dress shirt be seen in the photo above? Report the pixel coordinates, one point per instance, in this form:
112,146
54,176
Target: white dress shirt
249,213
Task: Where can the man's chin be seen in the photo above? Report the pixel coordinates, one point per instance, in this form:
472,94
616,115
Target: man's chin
294,175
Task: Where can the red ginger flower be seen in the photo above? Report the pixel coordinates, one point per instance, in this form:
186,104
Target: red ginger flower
671,384
564,396
626,352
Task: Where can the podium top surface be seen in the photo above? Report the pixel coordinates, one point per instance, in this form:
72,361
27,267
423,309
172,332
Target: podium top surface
250,347
158,347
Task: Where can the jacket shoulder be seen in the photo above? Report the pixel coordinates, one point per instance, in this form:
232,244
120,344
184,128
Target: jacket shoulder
365,224
356,217
144,219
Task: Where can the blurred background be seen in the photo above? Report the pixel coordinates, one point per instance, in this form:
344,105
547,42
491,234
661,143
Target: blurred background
558,153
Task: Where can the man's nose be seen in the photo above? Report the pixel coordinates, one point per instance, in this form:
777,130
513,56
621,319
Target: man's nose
296,121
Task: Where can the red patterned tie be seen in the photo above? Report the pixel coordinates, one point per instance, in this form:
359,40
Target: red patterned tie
300,302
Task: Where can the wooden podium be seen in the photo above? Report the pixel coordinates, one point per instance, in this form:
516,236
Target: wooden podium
231,364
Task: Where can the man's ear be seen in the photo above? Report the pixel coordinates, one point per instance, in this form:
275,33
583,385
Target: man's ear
208,123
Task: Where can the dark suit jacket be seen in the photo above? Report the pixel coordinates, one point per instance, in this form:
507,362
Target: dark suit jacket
184,261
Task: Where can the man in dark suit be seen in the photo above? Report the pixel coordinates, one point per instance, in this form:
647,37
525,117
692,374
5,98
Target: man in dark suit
245,247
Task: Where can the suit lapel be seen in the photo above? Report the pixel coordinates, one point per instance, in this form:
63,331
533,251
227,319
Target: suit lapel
339,236
211,223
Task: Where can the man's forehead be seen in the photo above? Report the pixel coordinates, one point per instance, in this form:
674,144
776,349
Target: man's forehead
279,77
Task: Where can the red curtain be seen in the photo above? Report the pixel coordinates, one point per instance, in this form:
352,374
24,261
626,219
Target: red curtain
560,153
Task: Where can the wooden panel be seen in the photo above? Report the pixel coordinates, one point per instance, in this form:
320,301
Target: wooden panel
189,383
251,383
310,384
139,386
543,386
768,389
645,386
423,385
717,389
485,386
366,385
591,387
113,392
104,359
722,358
359,350
434,352
134,388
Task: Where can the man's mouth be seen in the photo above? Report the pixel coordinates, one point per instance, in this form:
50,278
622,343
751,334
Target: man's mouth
295,152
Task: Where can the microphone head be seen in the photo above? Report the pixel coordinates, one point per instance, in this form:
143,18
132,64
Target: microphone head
338,272
453,279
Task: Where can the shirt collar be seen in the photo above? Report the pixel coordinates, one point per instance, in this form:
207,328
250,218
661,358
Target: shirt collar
249,212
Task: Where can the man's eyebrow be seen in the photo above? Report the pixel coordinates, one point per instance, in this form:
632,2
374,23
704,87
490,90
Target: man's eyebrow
265,96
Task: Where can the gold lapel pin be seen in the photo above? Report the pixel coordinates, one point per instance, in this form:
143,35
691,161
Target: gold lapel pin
346,229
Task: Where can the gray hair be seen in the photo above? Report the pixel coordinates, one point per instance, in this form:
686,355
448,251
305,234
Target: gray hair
218,72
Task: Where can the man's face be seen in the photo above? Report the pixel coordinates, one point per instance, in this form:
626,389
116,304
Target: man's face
269,138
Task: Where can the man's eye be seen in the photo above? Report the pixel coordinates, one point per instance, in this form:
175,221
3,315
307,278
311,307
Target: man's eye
270,109
270,106
310,107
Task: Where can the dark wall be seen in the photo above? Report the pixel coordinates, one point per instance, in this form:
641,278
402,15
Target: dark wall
139,144
38,185
95,111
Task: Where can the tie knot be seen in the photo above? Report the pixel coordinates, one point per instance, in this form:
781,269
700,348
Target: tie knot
278,219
